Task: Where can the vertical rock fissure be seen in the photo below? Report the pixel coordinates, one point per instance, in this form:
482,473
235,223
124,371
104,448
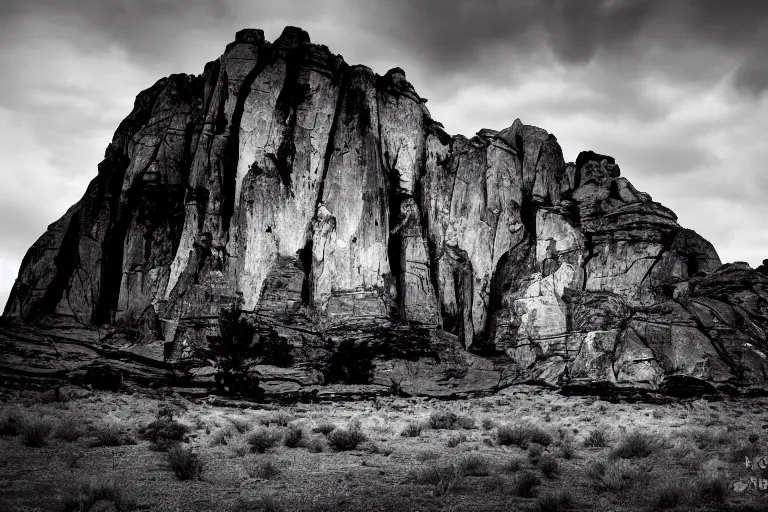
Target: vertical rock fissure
232,151
305,255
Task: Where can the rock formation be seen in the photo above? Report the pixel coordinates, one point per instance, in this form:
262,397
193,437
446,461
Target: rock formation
326,199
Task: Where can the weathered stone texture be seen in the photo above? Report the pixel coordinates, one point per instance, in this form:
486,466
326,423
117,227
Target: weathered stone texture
324,196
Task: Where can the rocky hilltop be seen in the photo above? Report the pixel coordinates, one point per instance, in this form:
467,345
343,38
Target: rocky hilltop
326,199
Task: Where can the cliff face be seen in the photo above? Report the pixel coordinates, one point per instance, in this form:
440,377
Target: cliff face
325,196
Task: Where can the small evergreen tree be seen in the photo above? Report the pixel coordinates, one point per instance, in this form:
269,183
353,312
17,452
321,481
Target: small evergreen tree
234,353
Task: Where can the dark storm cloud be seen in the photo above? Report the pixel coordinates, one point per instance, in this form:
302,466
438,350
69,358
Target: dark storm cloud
452,35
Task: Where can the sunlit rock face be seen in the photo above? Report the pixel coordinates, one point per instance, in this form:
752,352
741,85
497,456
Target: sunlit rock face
323,195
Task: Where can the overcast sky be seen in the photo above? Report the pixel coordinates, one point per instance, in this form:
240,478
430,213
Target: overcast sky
675,91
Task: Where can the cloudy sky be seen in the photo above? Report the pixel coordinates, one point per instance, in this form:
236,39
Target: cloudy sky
675,91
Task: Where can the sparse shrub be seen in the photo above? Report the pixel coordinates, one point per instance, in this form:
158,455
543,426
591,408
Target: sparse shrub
488,424
635,444
535,451
465,422
185,463
164,432
526,483
314,445
442,420
35,429
657,414
68,430
426,455
350,363
598,438
554,501
345,439
513,465
324,428
456,440
239,446
221,436
241,425
262,468
98,491
567,451
669,496
443,477
279,419
412,430
9,421
596,471
108,434
713,488
743,450
261,439
473,464
548,466
754,437
522,435
292,437
617,477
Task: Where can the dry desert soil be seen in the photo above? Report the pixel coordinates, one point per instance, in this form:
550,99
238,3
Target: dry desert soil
525,448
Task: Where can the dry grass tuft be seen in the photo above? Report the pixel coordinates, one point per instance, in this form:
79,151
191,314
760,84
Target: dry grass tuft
185,463
261,439
412,430
633,445
345,439
35,430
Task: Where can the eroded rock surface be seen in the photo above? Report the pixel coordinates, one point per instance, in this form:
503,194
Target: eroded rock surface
326,199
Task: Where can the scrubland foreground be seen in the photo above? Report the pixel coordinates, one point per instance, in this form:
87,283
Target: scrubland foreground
522,449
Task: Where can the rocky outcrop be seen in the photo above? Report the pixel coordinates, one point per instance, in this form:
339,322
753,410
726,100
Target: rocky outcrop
326,200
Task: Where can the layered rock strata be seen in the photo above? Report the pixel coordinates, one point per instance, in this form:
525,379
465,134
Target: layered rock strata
324,196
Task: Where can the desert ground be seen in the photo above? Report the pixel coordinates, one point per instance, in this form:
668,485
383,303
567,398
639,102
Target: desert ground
525,448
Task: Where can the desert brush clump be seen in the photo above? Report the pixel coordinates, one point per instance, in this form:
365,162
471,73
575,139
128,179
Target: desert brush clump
10,418
456,440
263,438
263,468
324,428
442,420
346,439
713,488
279,419
69,429
473,464
412,429
548,466
617,476
670,496
164,432
526,484
443,477
185,463
597,438
98,494
293,436
110,434
35,429
633,445
522,435
554,501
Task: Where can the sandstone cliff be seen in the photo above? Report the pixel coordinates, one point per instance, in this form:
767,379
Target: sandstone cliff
327,199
